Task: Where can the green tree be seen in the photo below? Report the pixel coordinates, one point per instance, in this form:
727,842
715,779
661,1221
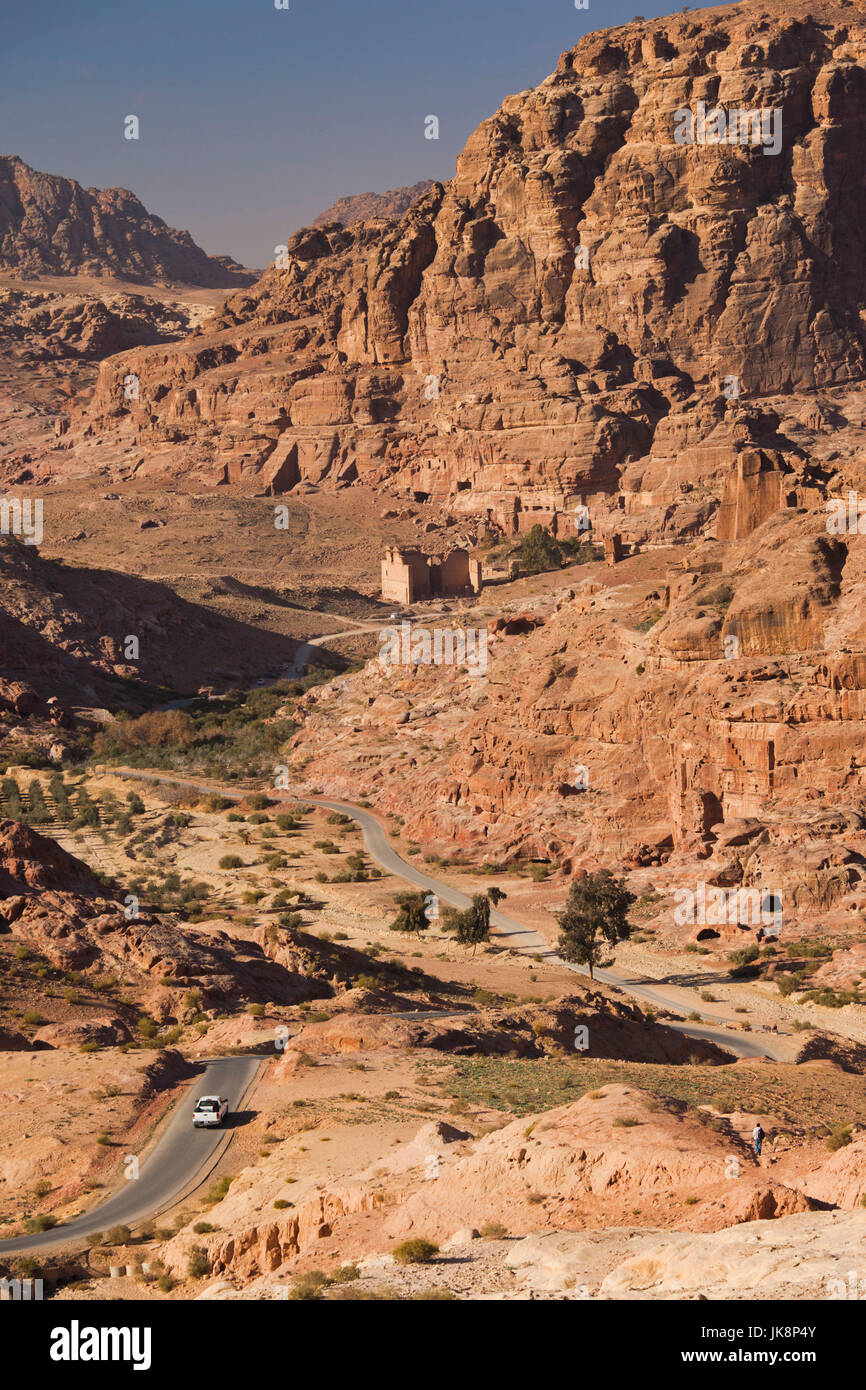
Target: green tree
595,913
539,551
12,803
60,796
87,813
39,812
473,925
412,914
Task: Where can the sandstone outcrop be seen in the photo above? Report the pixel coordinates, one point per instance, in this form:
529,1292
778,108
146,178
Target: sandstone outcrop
802,1256
363,207
51,903
612,1155
588,314
617,1029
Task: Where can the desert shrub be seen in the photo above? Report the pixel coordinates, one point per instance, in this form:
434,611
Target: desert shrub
346,1274
839,1137
231,861
789,984
415,1252
493,1230
719,597
308,1287
198,1264
217,1191
203,1228
171,728
34,1224
118,1235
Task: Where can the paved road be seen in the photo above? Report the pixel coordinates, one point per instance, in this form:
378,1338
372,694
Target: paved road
180,1160
521,937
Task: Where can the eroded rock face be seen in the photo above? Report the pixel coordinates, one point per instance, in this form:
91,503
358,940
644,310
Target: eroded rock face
361,207
31,861
51,902
51,225
596,1163
588,311
712,694
618,1029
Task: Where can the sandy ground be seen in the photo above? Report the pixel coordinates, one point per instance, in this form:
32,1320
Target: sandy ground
53,1105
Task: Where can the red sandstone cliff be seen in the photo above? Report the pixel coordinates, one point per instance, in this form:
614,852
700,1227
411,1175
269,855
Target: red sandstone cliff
465,353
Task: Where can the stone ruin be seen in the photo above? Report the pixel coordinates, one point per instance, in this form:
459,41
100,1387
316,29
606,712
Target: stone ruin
409,575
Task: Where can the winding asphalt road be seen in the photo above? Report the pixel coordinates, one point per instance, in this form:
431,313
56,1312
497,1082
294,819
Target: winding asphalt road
521,937
177,1164
183,1157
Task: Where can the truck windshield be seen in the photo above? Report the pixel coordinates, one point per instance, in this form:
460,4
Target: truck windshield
207,1105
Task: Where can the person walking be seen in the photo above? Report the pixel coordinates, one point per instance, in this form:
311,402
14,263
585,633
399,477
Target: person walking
758,1137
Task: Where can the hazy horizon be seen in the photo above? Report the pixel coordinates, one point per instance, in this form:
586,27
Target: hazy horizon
254,120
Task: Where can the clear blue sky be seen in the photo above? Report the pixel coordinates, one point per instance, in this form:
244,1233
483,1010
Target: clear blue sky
253,119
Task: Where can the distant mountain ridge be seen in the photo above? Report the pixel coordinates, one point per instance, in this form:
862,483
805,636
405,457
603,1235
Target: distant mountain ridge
364,206
51,225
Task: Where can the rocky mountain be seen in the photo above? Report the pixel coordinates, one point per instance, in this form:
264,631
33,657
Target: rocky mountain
593,311
363,207
52,226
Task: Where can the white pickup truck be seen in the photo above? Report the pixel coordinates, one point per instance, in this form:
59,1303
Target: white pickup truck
209,1110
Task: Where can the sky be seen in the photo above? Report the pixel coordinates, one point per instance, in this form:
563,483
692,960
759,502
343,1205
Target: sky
253,120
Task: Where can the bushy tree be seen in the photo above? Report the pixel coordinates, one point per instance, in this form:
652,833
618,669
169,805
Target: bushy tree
473,925
39,812
412,914
595,915
539,551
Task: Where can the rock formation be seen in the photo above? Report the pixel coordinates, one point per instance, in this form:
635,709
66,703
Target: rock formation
589,313
363,207
52,226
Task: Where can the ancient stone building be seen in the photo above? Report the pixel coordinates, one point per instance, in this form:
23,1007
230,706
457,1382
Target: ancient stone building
409,575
